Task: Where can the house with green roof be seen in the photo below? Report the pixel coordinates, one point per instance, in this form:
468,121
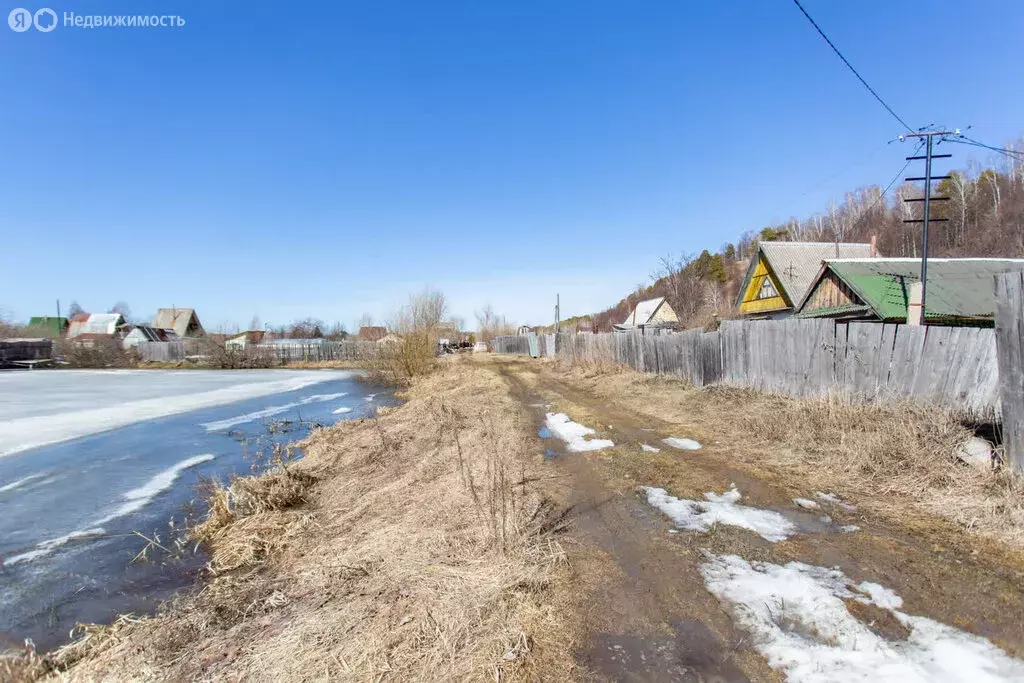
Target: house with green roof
960,291
47,326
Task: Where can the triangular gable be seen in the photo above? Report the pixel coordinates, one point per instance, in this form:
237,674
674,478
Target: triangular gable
761,291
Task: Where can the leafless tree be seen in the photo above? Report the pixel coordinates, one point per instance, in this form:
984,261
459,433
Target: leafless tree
255,323
74,309
365,320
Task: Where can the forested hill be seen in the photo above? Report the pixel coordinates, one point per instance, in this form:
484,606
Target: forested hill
986,218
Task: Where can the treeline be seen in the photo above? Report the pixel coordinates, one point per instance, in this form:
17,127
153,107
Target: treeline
985,215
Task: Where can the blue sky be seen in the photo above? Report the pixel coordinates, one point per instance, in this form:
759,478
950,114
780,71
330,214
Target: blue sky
324,159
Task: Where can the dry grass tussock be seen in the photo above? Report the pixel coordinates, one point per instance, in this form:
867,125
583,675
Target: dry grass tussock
411,546
895,454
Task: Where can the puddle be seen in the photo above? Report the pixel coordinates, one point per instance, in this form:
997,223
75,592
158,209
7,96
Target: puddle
544,433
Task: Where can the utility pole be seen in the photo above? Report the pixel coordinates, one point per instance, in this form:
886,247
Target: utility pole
927,199
558,301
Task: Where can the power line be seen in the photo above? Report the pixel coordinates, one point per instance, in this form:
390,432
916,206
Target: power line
895,177
964,140
850,66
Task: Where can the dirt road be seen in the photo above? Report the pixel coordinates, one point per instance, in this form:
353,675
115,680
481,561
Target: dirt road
842,593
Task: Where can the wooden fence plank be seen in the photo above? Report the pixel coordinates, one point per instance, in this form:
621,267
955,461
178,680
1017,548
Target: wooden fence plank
1009,332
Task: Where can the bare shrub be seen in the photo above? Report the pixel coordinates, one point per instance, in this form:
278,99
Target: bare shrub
96,353
417,326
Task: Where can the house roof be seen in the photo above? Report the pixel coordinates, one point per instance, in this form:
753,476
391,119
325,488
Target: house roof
958,288
52,325
177,319
153,334
644,311
794,265
95,323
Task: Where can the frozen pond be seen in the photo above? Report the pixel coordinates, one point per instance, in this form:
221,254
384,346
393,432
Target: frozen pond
123,452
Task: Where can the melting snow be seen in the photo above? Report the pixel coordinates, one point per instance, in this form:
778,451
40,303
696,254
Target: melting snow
701,515
801,625
644,447
341,411
683,444
574,434
805,503
850,528
835,500
19,483
45,547
268,412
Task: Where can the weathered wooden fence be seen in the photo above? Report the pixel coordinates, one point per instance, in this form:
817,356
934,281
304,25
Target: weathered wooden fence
1010,344
328,351
18,350
535,345
950,367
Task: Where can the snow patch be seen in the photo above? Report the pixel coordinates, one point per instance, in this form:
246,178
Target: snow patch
342,411
682,444
136,499
849,528
370,397
574,434
801,625
835,500
20,482
805,503
649,449
46,547
701,515
268,412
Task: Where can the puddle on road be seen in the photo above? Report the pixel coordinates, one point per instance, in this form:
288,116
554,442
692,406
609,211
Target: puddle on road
544,433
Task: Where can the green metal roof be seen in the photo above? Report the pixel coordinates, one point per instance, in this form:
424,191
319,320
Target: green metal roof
51,325
958,289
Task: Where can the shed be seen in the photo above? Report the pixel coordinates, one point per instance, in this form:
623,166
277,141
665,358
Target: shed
96,325
147,333
183,321
48,327
650,313
372,333
781,273
960,290
240,341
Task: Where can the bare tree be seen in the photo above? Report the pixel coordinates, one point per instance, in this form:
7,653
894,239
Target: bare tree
684,288
122,308
365,320
255,323
74,309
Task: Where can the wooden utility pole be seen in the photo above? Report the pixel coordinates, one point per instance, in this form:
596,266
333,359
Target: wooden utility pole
927,199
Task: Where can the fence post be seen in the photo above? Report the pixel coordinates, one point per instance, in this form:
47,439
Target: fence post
1010,357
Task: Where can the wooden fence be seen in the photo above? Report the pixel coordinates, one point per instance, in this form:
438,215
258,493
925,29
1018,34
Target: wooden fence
1010,343
21,350
950,367
535,345
328,351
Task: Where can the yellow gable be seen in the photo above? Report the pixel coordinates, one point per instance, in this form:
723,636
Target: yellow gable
763,294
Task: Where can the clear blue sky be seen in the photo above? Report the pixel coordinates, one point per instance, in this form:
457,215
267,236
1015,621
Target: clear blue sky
324,159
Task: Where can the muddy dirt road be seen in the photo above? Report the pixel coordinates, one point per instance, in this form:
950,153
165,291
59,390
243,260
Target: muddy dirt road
693,566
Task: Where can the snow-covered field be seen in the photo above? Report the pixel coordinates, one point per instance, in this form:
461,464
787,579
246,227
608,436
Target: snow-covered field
45,407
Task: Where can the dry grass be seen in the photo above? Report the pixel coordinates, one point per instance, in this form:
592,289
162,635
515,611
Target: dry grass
407,547
896,455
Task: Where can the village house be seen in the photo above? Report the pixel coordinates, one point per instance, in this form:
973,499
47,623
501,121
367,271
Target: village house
183,321
248,338
47,327
372,333
97,325
781,273
960,290
653,313
147,333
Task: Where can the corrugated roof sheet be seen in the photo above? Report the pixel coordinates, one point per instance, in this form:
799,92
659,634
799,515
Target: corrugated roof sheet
959,289
96,324
796,264
176,319
643,312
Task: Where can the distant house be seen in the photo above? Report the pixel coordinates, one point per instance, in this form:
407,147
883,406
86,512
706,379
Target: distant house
781,273
651,313
960,290
147,333
372,333
97,325
245,339
48,327
183,321
390,339
524,329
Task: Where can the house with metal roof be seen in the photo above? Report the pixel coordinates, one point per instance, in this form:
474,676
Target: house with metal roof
960,290
247,338
147,333
47,326
96,325
183,321
781,273
650,313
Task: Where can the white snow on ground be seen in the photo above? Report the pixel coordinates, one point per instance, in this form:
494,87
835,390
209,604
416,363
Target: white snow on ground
683,444
41,408
835,500
644,447
805,503
342,411
574,434
370,397
268,412
801,625
701,515
136,499
850,528
19,483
